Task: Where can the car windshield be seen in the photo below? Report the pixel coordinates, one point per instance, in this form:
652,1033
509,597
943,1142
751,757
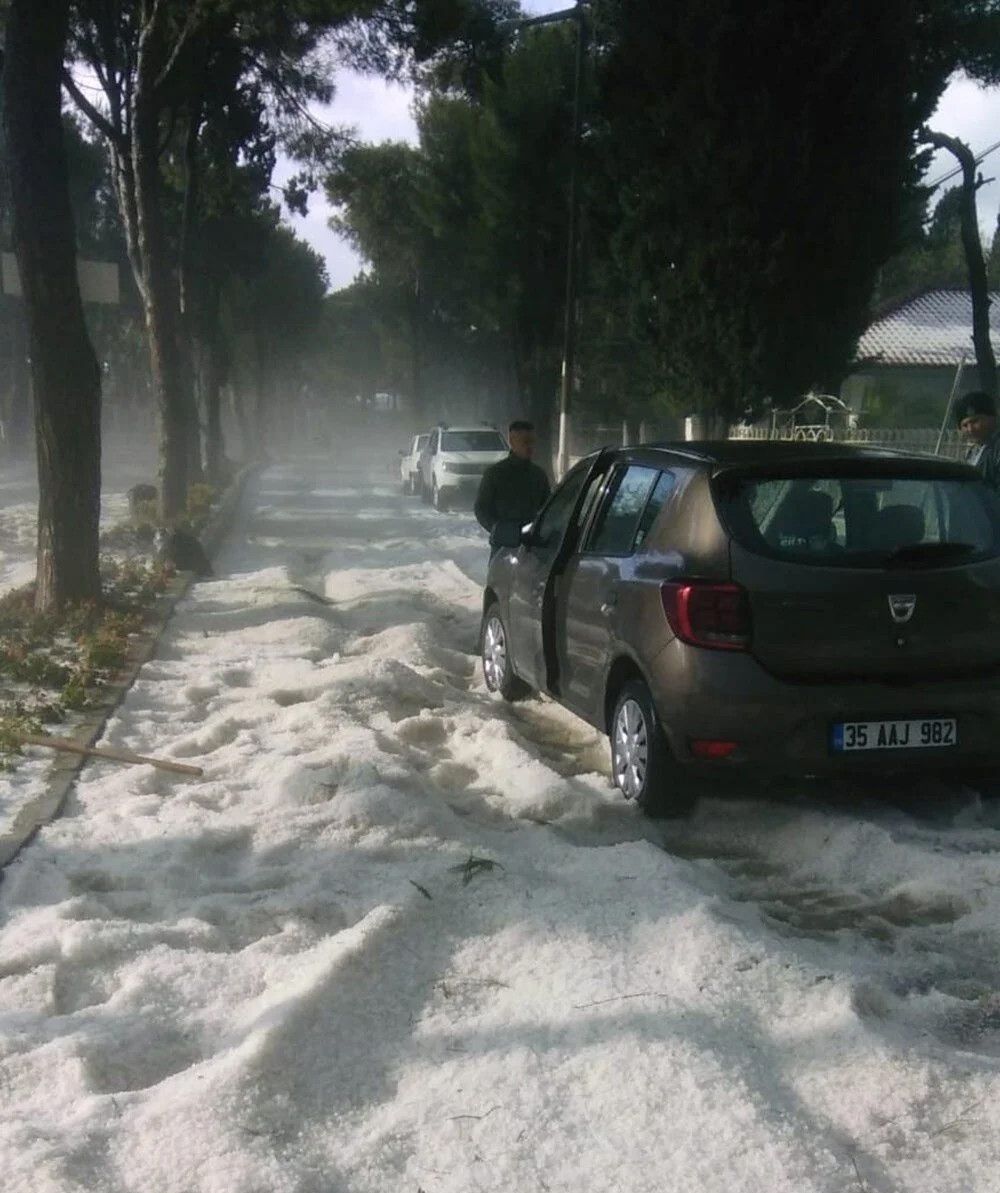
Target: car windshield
864,521
473,441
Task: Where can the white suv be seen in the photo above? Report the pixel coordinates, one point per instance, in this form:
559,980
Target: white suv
455,459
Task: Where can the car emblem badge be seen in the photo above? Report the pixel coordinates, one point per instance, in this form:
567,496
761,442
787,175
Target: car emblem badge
901,606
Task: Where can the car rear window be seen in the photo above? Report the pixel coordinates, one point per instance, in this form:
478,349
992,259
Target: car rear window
863,521
473,441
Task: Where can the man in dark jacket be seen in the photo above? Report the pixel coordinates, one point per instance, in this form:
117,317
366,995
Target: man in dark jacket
512,491
976,414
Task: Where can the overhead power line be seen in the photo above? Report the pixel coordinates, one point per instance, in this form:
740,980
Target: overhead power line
953,173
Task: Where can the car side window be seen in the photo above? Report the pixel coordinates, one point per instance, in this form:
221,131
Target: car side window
554,518
618,524
658,499
595,487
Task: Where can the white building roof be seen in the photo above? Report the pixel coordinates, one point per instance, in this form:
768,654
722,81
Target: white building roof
931,329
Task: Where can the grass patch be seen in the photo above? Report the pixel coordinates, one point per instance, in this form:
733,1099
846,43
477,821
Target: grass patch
136,534
201,499
54,666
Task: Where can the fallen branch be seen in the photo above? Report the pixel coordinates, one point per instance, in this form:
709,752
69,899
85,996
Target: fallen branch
956,1121
582,1006
474,865
72,747
458,1117
313,596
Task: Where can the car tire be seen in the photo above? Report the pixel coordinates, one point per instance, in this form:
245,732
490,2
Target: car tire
986,783
642,767
498,669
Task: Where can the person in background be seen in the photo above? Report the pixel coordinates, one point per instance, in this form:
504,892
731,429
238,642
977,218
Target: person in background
513,490
976,415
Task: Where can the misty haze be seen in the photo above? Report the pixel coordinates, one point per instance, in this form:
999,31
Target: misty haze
499,571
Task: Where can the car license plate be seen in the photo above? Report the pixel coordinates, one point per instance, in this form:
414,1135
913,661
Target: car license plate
927,733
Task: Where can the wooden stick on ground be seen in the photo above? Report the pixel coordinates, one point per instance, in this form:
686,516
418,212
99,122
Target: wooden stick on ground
72,747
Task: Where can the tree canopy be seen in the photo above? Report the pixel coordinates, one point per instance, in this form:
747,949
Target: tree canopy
748,173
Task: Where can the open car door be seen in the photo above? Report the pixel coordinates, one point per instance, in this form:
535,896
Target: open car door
569,542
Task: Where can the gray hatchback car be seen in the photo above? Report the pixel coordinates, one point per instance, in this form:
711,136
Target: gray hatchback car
736,609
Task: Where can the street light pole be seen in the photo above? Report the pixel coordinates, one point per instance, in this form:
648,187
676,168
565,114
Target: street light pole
568,376
568,372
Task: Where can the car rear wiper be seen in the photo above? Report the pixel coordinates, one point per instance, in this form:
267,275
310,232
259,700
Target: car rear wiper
928,554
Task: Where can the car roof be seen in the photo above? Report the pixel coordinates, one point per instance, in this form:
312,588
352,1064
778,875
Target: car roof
722,454
471,427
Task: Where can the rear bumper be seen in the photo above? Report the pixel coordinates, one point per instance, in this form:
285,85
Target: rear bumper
451,481
785,729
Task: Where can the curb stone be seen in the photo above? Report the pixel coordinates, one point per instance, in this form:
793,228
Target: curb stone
65,768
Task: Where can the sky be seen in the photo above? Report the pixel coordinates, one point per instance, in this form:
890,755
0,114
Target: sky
379,111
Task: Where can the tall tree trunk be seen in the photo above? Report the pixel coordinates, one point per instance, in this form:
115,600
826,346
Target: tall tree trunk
238,404
215,379
195,469
19,411
262,397
67,380
538,386
188,312
262,402
159,297
416,354
986,364
15,401
215,374
132,128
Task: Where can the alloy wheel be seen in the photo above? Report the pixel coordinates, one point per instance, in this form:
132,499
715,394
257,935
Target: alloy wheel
631,749
494,654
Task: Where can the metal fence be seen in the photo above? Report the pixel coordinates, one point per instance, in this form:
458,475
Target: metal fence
587,437
911,439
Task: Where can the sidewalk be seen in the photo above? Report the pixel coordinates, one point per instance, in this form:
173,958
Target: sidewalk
402,936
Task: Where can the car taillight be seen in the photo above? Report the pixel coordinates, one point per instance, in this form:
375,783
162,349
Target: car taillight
701,613
711,748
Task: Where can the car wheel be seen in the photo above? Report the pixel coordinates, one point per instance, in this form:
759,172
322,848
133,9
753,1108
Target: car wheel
498,670
641,764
